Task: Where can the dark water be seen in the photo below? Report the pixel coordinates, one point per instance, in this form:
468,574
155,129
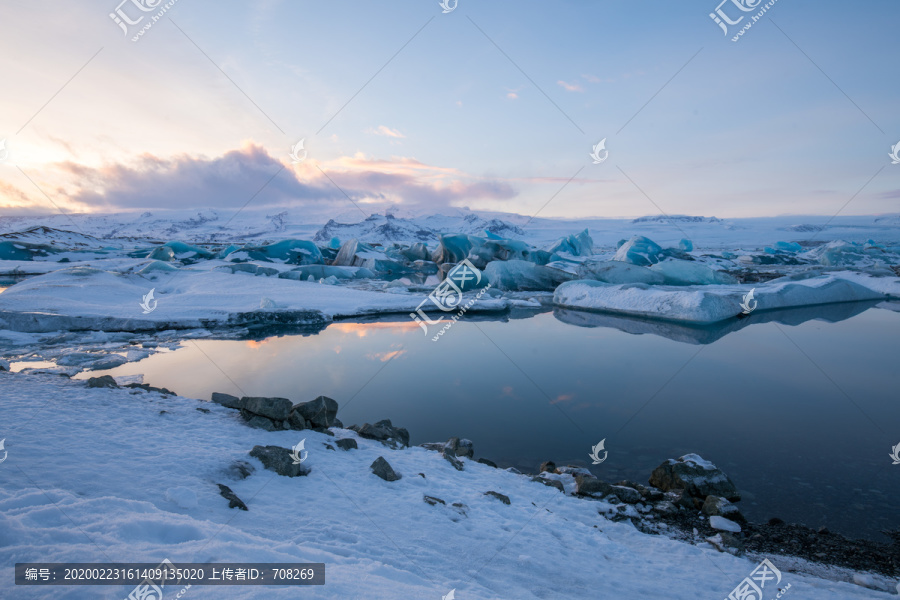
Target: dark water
800,408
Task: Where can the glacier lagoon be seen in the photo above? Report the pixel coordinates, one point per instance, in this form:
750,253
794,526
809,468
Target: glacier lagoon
792,405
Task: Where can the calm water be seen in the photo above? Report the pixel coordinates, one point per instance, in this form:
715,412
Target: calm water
801,413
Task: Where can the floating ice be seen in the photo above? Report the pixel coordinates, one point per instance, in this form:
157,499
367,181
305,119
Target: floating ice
712,304
320,271
614,271
576,245
453,248
686,245
522,275
639,251
681,272
292,252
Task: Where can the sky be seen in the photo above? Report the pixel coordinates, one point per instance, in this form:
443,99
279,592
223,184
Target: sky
491,106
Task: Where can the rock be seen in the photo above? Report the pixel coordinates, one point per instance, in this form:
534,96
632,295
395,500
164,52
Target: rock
105,381
723,524
626,494
240,469
277,409
696,476
203,410
574,471
551,483
718,506
457,464
433,501
591,486
502,498
149,388
261,423
278,459
337,423
682,499
384,432
320,412
347,444
487,462
297,422
460,447
4,365
226,400
549,467
665,507
381,468
233,500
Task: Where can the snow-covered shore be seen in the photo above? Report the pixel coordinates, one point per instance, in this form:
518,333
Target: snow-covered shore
104,475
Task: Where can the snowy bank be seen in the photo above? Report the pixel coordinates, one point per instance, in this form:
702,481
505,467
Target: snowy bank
132,475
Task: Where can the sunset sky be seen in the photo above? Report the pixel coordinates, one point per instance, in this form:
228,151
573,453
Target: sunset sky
493,106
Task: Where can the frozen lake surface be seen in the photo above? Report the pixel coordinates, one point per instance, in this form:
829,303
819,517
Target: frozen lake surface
798,408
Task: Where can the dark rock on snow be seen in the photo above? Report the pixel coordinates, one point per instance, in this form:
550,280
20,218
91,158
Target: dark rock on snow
347,444
501,497
233,500
106,381
383,469
278,459
698,477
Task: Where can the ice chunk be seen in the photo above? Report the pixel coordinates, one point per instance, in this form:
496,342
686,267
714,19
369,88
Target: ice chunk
522,275
320,271
614,271
792,247
491,250
156,266
292,252
417,251
576,245
454,248
710,304
163,253
682,272
723,524
686,245
334,244
639,251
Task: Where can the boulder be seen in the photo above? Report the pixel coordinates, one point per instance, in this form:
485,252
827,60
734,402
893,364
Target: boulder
384,432
261,423
450,458
591,486
320,413
105,381
501,497
226,400
383,469
233,500
347,444
277,409
696,476
718,506
626,494
460,447
278,459
297,422
548,466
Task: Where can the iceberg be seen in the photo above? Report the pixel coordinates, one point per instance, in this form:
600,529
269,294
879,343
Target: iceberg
711,305
292,252
639,251
682,272
322,271
686,245
614,271
520,275
576,245
23,250
453,248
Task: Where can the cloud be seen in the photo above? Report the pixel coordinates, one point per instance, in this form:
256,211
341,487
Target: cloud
512,95
570,87
385,131
252,174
